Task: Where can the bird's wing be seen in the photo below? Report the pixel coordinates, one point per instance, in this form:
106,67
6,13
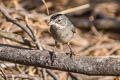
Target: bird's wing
73,28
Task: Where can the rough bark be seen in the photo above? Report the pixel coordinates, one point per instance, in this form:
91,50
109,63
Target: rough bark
79,64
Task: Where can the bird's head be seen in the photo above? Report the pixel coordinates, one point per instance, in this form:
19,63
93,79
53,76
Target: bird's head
58,20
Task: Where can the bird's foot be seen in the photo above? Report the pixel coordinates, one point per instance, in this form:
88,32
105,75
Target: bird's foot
53,56
71,54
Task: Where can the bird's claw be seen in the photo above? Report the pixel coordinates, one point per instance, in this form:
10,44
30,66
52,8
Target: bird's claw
71,54
53,56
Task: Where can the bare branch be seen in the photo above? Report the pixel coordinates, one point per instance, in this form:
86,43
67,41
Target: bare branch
24,76
15,38
35,39
79,64
46,6
75,9
3,73
14,21
55,77
44,74
26,28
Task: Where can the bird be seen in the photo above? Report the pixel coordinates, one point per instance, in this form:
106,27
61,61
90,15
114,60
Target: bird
62,30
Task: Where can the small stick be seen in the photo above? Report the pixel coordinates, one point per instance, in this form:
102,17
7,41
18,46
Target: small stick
14,21
46,6
75,9
4,75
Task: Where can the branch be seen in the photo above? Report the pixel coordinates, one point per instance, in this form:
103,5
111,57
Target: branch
79,64
24,76
78,9
14,21
26,28
16,38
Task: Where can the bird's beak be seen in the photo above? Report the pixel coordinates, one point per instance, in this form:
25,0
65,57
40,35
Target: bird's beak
50,23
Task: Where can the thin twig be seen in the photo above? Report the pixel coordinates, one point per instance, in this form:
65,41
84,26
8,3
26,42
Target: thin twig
44,73
75,9
14,21
96,47
24,76
73,76
16,38
46,6
112,50
4,75
35,39
55,77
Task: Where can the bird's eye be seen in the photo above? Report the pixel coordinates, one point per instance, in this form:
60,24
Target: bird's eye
58,20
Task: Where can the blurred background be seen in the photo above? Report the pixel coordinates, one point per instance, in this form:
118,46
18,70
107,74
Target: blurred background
97,24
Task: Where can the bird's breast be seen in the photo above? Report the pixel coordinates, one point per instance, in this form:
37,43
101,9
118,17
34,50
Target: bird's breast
63,35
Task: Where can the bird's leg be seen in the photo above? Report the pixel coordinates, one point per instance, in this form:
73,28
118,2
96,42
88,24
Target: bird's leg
53,56
71,52
54,50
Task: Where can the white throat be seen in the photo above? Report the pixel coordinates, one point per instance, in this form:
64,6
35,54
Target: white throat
58,25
